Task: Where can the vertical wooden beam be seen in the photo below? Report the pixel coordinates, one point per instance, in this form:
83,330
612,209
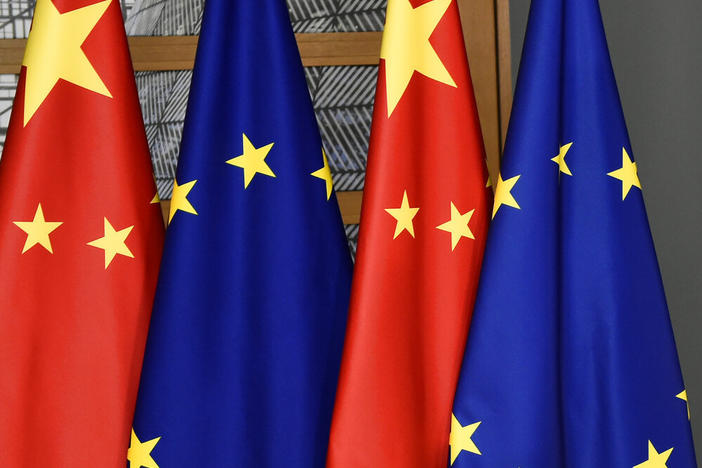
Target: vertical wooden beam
504,64
480,31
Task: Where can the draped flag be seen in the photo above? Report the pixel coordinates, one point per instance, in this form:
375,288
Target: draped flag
571,360
80,243
245,343
423,229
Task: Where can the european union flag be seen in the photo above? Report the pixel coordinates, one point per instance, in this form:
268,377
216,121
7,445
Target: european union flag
571,360
245,344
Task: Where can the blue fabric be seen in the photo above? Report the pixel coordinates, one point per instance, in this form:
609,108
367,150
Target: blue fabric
571,360
247,332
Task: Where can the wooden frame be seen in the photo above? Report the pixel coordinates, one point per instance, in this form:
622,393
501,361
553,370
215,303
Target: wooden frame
487,35
163,53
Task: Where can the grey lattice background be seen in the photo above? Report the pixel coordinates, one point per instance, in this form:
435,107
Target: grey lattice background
343,96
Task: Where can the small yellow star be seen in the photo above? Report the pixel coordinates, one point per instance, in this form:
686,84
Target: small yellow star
113,243
325,174
139,453
156,199
683,396
655,459
560,159
179,199
38,231
404,216
461,438
253,161
406,47
54,52
458,226
503,194
628,174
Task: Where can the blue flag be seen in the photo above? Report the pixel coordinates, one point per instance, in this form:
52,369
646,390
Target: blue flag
571,360
245,344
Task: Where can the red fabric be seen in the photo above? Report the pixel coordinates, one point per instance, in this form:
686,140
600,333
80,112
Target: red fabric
412,298
72,333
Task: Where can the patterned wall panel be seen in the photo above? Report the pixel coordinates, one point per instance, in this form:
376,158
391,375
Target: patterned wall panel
343,96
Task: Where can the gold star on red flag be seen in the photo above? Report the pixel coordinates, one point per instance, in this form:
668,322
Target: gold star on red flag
458,226
38,231
54,51
406,48
404,216
113,243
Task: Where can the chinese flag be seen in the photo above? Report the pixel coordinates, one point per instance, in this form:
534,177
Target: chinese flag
423,228
80,243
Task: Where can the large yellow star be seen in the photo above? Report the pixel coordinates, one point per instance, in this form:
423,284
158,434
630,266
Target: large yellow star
139,453
113,243
628,174
325,174
560,159
655,459
458,226
38,231
503,194
253,161
683,396
404,216
406,47
461,438
179,199
54,52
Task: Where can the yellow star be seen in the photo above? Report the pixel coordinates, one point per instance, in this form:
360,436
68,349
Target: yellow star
113,243
139,453
457,226
560,159
683,396
253,161
406,47
54,52
38,231
461,438
325,174
404,216
655,459
156,199
628,174
179,199
503,194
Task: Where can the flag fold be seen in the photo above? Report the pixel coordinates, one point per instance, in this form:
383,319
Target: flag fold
571,360
245,343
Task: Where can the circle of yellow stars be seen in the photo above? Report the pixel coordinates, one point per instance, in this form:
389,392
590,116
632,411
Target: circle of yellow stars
627,174
252,161
461,437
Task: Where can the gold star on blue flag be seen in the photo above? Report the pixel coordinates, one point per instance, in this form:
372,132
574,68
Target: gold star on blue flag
244,350
570,360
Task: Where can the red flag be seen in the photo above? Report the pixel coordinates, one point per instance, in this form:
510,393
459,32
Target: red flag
80,243
423,227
